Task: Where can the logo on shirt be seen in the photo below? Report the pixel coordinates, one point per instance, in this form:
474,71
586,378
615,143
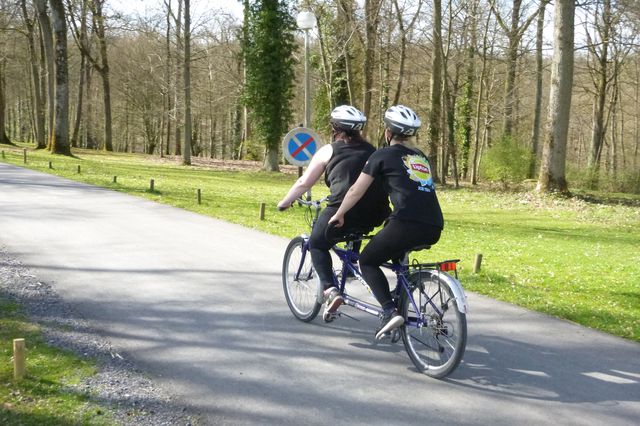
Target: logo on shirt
419,171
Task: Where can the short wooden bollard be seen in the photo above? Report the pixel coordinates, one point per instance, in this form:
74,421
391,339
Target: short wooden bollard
3,157
24,153
78,168
19,364
199,196
477,263
151,185
50,165
115,179
262,208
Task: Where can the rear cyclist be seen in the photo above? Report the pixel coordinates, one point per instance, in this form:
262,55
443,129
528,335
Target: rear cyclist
416,218
341,161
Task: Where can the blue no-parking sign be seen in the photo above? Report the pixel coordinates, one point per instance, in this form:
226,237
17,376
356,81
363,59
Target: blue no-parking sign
300,145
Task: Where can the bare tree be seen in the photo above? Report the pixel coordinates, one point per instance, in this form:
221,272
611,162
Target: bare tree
537,114
47,43
38,102
186,158
4,139
514,31
552,170
436,89
61,143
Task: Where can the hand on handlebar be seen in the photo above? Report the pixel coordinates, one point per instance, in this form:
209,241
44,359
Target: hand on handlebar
282,207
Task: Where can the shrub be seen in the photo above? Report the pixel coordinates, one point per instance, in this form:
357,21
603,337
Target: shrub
506,162
626,182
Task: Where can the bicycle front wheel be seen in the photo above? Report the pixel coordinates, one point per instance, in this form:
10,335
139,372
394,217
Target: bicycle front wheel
300,281
435,331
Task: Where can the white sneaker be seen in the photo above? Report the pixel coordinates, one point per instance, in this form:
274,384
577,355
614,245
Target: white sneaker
333,302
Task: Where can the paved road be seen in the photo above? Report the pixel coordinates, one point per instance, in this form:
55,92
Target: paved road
197,303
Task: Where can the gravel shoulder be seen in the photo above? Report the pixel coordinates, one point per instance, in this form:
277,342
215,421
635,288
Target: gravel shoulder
118,385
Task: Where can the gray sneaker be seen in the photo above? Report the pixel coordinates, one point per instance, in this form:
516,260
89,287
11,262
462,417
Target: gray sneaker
388,321
333,302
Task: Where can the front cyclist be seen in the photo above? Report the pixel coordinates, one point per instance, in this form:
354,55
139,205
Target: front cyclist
416,218
342,162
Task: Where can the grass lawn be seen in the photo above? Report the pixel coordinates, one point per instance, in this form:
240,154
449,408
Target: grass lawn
565,257
45,396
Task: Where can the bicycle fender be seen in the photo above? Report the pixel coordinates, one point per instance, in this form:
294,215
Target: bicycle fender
456,289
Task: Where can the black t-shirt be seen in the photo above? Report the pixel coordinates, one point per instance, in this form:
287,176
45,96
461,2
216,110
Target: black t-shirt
406,176
343,170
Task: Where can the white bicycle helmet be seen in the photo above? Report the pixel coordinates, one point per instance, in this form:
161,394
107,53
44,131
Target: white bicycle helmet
346,117
402,120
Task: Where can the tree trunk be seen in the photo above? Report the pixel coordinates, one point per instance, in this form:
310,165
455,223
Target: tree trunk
89,136
598,131
512,63
483,72
60,143
4,139
436,89
38,104
537,115
468,86
178,66
168,81
186,159
552,168
47,43
271,160
103,69
403,45
514,33
372,19
83,41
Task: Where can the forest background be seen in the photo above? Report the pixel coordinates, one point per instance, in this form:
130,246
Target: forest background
177,80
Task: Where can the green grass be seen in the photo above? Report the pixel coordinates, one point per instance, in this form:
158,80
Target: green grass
565,257
45,396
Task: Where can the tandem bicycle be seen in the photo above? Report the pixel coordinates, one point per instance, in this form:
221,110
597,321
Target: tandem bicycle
428,296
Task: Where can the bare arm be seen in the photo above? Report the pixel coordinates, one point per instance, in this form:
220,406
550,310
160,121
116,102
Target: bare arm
354,195
309,178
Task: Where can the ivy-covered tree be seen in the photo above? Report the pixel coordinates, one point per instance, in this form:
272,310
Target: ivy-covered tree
268,48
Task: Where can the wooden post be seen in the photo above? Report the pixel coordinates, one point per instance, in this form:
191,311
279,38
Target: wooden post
3,157
151,185
262,207
24,153
115,179
199,196
78,168
19,368
477,263
50,165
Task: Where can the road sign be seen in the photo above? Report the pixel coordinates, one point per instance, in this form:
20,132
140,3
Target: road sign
300,145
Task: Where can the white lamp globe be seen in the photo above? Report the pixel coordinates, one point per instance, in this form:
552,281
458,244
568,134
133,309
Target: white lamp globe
306,20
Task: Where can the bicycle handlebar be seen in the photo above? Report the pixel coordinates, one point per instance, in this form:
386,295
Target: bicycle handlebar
311,203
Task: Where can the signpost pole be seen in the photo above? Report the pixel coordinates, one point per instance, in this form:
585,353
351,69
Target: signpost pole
306,21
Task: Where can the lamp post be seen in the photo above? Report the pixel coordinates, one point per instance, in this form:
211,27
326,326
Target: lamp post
306,20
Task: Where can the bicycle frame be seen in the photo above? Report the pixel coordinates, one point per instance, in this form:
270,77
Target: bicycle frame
349,258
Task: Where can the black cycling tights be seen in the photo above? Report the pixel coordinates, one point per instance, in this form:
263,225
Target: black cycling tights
391,242
323,237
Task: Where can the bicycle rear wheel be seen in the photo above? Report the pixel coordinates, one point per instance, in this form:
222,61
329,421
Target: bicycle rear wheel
300,281
435,347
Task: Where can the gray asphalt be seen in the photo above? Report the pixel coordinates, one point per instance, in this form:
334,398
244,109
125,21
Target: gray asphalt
198,304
